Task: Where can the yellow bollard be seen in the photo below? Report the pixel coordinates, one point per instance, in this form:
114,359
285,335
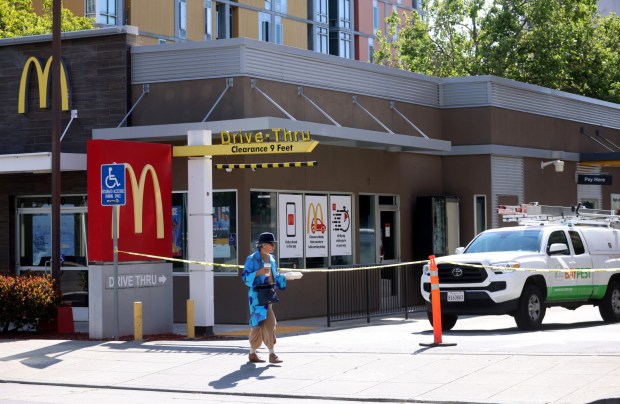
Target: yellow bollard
190,319
137,321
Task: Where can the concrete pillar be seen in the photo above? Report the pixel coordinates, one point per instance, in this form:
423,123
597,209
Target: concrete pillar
200,233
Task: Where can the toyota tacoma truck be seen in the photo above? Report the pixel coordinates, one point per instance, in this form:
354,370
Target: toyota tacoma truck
522,270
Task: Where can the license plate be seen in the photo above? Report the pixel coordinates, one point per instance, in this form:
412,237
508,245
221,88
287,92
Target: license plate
456,296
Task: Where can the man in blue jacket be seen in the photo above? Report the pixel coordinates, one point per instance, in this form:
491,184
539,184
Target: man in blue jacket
261,269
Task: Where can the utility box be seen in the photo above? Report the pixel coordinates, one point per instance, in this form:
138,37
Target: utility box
146,282
436,226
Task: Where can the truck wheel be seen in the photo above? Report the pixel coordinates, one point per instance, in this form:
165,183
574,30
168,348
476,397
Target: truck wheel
531,310
448,321
610,305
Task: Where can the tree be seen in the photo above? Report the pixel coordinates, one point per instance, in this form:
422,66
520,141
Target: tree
17,18
561,44
441,43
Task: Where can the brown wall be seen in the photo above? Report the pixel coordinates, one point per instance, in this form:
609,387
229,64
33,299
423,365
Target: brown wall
190,102
376,172
99,77
465,176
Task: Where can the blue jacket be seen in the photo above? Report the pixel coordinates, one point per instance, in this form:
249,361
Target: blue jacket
253,263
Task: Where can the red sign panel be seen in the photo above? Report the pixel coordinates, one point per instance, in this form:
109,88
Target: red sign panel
145,221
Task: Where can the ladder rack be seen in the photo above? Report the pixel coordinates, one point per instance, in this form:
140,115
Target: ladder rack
533,213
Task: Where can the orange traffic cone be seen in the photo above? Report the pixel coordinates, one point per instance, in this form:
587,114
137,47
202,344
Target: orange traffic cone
436,305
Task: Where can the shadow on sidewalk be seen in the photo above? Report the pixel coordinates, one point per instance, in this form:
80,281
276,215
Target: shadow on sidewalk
49,355
245,372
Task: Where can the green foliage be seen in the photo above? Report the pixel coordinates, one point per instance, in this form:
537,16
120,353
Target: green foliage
25,300
17,18
561,44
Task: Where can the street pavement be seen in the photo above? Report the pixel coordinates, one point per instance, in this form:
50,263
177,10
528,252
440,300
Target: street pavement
575,358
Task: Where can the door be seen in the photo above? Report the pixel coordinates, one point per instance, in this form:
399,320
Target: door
389,281
568,282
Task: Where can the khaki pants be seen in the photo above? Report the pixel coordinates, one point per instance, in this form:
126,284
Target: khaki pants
265,332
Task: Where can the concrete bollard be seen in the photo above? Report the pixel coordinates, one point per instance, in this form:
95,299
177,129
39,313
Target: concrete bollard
191,330
137,321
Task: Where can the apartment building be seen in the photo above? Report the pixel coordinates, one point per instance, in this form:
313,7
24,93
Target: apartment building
345,28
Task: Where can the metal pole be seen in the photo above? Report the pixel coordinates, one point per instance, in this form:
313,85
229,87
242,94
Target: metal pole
56,117
115,246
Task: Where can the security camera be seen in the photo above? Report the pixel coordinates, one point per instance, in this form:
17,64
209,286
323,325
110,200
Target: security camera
228,170
558,165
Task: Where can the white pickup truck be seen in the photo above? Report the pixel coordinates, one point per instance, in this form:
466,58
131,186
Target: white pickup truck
522,270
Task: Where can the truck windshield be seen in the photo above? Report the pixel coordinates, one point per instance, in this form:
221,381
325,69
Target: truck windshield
517,240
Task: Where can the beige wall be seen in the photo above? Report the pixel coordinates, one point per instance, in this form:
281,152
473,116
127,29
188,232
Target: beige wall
196,20
153,16
295,33
246,23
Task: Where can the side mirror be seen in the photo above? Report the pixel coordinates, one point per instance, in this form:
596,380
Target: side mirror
459,250
558,249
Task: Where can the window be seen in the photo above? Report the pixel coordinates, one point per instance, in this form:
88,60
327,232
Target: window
344,45
557,237
314,229
182,19
321,40
263,209
279,30
375,17
264,25
34,231
103,11
34,242
480,213
281,6
320,11
577,242
344,13
208,20
268,5
367,234
224,231
223,21
90,8
371,49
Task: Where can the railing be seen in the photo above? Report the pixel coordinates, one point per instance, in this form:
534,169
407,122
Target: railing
374,292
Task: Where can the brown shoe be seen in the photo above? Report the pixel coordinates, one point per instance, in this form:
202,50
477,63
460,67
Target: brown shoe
255,358
273,358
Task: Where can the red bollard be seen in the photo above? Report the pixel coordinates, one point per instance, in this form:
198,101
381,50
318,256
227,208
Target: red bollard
436,305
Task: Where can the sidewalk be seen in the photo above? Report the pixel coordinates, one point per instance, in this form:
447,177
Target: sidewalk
382,361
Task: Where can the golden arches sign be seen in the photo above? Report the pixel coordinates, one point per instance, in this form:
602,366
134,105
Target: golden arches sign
315,211
137,192
43,78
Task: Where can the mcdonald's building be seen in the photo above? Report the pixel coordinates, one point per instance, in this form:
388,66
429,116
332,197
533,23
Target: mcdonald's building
347,163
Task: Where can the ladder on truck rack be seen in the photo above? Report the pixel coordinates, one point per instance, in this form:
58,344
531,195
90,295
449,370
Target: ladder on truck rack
533,213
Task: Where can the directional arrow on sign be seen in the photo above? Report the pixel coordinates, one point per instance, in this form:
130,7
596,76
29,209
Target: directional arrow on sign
162,279
233,149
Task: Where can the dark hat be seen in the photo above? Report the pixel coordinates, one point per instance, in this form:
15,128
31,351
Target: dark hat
266,238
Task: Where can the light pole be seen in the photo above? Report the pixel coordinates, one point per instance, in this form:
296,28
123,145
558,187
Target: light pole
56,117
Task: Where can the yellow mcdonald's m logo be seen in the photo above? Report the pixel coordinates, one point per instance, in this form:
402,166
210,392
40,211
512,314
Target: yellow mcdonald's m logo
315,220
137,192
44,80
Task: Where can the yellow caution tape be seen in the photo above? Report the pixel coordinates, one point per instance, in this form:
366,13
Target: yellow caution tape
500,268
309,270
215,264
